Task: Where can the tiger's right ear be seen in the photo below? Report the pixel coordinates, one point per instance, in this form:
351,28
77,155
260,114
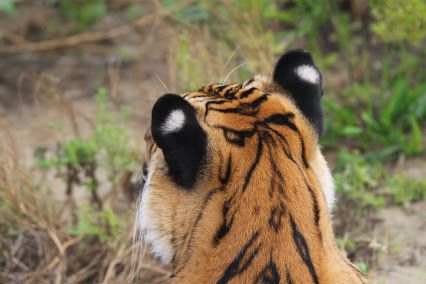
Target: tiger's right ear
297,74
178,134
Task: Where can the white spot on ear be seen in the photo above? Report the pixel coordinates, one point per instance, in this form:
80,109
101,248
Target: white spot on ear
174,122
308,74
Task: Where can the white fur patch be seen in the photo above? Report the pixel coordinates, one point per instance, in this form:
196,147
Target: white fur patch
146,221
329,189
325,179
308,74
260,80
174,122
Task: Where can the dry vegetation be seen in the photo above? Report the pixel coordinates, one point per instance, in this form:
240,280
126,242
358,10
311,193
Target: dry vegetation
78,82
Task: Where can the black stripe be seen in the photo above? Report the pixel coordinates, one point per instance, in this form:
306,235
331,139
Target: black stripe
224,179
276,217
219,88
247,93
271,142
314,200
302,142
316,207
194,226
284,144
227,221
230,93
303,250
236,137
271,189
274,165
248,82
269,139
236,110
207,106
281,119
257,102
255,163
242,109
242,261
209,89
289,280
269,274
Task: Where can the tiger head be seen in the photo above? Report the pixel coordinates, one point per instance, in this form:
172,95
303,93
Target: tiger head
235,179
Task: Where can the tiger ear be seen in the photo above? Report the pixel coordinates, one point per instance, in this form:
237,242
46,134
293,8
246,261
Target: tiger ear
296,73
178,134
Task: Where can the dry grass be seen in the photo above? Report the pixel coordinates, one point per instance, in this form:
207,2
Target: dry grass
37,241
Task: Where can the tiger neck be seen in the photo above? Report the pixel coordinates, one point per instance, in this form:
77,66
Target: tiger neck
238,229
223,249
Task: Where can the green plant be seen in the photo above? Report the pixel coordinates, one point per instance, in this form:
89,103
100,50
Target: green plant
310,18
233,38
363,267
78,160
134,11
405,190
7,7
346,243
383,120
357,181
83,13
104,225
88,239
187,13
399,21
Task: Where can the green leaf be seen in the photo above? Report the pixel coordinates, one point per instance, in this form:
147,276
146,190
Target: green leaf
7,7
415,143
134,11
352,130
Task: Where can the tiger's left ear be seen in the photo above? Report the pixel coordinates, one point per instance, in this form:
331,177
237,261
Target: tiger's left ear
178,134
297,74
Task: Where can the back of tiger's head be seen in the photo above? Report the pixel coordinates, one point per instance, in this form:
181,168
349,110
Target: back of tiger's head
237,188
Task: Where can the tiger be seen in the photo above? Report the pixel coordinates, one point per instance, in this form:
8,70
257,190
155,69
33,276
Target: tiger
237,189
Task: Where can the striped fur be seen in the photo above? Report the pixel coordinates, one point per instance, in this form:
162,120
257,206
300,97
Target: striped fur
259,211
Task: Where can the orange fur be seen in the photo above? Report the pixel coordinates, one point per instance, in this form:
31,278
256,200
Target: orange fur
258,212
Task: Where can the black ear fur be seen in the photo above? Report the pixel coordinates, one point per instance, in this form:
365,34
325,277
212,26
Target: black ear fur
184,147
304,87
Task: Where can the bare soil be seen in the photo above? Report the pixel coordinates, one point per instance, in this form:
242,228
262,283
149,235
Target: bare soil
402,256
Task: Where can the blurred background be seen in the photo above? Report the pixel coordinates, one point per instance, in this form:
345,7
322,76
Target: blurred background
78,80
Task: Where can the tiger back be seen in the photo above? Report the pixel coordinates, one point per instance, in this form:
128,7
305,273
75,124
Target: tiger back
237,190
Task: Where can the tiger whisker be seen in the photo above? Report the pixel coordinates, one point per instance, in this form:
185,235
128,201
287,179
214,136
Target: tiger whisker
139,245
232,71
230,57
159,79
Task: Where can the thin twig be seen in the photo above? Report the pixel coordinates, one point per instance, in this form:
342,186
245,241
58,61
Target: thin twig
77,39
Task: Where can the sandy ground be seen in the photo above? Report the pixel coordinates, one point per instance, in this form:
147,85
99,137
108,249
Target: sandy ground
403,233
